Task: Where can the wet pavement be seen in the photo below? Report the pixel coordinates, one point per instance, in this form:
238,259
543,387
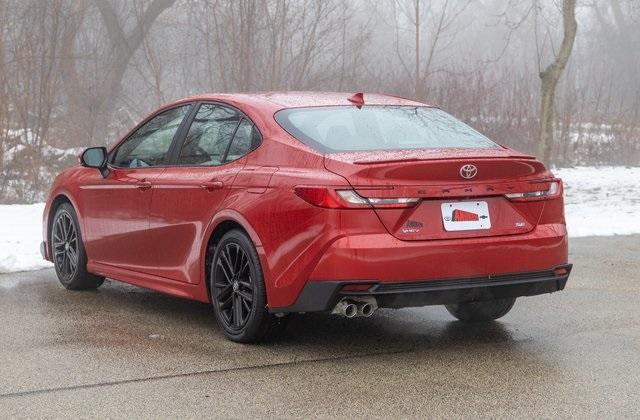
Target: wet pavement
122,351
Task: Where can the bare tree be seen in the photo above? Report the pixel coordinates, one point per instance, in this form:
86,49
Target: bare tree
438,23
95,103
551,75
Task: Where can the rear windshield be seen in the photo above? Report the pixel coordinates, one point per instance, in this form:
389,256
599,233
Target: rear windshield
346,128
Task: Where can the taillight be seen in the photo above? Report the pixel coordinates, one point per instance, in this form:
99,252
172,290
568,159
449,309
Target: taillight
553,191
340,198
319,196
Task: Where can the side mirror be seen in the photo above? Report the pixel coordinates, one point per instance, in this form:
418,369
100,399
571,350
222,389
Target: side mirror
95,157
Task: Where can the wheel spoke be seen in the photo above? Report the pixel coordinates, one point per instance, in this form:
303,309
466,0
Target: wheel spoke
226,315
63,267
63,222
224,294
74,237
246,296
227,277
59,228
73,256
72,266
225,303
69,228
237,309
219,285
245,284
246,305
244,266
227,261
237,259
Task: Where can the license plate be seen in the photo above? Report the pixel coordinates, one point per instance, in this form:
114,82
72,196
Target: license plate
466,215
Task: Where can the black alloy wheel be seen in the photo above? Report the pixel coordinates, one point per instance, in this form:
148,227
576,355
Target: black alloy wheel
68,253
238,293
234,286
65,245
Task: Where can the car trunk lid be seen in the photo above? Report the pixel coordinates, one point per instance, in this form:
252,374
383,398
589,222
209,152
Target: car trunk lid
436,177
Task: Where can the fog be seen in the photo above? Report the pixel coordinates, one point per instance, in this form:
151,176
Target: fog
75,73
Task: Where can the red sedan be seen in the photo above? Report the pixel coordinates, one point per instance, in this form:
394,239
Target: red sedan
277,203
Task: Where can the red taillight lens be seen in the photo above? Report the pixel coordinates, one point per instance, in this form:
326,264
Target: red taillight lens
553,191
319,196
340,198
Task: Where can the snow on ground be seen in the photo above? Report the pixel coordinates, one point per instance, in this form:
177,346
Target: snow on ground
20,237
599,202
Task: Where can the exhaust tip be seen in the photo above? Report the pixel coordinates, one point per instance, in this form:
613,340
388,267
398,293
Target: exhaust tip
367,309
350,310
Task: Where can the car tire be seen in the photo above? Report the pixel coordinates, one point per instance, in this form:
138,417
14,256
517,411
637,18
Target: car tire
238,293
68,252
481,311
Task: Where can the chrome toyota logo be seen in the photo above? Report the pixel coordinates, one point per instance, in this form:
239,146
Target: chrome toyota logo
468,171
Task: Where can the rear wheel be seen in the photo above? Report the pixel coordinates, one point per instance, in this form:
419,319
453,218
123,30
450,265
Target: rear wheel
481,311
67,250
238,293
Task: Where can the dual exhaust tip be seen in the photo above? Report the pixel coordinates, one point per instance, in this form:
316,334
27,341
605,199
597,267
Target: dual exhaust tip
351,308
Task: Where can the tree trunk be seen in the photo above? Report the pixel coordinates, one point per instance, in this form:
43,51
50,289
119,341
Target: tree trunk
418,80
93,111
550,77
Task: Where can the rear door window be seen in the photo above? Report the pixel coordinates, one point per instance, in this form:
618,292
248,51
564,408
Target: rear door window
209,135
246,139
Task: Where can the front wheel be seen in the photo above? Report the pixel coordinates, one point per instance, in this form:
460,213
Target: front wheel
481,311
238,293
67,250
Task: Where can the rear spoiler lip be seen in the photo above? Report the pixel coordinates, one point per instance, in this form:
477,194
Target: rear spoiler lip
400,160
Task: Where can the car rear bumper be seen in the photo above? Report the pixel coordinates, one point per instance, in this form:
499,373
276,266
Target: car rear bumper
383,258
319,296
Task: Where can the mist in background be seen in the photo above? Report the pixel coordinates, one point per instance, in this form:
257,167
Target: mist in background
75,73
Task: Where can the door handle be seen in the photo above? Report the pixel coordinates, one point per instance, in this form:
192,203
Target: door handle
212,185
143,184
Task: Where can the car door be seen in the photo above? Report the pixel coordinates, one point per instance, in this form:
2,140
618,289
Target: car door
116,208
189,193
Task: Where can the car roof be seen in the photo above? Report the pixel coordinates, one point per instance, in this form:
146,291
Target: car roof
274,101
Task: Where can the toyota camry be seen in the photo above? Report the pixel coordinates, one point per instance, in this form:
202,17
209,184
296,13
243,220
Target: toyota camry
269,204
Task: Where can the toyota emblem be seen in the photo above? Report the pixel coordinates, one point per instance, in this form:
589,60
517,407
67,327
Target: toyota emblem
468,171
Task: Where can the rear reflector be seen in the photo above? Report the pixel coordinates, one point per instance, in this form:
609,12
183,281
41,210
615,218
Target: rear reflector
340,198
560,272
553,190
362,287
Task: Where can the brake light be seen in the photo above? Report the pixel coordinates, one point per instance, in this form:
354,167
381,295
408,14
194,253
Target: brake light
319,196
554,189
339,198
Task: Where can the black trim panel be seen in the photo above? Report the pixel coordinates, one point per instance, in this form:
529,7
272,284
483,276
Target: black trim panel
319,296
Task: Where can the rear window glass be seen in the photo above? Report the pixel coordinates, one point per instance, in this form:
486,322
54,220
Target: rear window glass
346,128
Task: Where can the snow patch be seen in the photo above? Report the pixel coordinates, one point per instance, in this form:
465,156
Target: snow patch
20,237
599,201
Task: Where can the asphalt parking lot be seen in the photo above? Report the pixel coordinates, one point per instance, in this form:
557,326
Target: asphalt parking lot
123,351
